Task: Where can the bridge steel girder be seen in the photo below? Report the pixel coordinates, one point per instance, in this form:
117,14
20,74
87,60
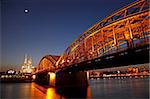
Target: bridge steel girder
46,64
126,29
119,39
128,57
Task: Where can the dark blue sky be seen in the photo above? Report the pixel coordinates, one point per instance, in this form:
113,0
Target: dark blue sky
49,26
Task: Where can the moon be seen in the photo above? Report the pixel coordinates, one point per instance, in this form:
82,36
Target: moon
26,10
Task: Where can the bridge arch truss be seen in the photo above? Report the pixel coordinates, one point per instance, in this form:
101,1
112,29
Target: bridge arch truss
127,28
47,63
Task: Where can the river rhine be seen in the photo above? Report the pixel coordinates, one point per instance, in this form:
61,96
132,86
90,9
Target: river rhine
98,89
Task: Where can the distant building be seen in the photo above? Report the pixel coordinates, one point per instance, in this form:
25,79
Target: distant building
27,66
11,71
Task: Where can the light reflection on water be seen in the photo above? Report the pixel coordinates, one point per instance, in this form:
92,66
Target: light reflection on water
39,92
59,93
101,89
51,94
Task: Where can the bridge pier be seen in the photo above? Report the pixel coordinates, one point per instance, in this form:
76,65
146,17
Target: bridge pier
69,79
42,78
62,79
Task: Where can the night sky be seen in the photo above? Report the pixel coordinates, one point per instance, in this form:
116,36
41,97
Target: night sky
48,26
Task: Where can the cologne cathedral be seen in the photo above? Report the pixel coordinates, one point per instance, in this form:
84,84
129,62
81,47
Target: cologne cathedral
27,66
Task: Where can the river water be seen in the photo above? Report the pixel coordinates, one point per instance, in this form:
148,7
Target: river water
98,89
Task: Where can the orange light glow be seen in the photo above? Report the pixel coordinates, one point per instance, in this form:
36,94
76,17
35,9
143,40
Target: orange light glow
52,78
37,91
88,93
50,93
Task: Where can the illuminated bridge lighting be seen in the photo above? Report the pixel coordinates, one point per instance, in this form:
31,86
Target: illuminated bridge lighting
125,29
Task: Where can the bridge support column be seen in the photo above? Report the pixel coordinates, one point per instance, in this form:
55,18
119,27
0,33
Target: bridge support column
71,79
46,78
42,78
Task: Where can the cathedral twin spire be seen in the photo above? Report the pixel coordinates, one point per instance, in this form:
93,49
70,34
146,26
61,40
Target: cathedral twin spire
27,65
27,61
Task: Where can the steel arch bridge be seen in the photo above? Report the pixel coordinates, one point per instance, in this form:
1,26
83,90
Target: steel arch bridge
128,28
47,63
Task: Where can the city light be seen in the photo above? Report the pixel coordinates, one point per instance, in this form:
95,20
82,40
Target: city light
34,76
11,71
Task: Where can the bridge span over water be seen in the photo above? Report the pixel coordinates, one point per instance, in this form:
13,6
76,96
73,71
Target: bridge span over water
117,40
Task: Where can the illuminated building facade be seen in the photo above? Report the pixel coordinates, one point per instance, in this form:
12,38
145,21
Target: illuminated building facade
27,65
